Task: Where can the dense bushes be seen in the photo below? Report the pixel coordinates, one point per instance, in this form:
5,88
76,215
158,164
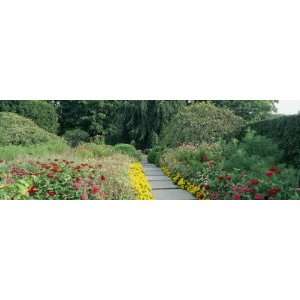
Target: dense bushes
154,155
285,131
200,123
41,112
17,130
246,169
129,150
76,136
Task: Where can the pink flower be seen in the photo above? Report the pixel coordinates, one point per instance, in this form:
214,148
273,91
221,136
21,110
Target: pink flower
237,197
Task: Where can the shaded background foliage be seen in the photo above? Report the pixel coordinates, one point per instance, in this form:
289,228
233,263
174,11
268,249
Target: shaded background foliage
139,123
285,131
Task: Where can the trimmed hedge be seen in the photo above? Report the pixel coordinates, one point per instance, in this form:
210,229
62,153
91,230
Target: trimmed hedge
285,131
41,112
17,130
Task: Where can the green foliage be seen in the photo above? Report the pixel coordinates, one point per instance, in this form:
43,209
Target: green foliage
199,123
94,117
17,130
155,154
128,150
285,131
142,121
76,136
253,152
43,113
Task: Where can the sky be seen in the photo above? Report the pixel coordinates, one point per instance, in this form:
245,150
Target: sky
288,107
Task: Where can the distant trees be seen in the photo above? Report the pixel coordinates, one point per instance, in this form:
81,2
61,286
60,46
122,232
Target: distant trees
124,121
144,120
249,110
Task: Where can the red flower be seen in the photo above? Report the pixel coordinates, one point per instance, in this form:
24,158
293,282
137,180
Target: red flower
254,182
228,177
103,178
51,175
269,174
237,197
259,197
95,189
51,193
33,190
275,170
273,191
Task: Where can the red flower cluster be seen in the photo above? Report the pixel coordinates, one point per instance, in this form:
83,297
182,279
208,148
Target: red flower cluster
51,193
227,177
273,171
274,191
259,197
33,190
254,182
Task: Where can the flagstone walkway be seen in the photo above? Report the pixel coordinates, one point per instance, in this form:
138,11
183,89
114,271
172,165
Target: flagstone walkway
162,187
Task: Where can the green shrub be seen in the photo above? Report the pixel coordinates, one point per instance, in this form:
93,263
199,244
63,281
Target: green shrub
90,150
17,130
198,123
253,152
154,155
285,131
76,136
128,150
41,112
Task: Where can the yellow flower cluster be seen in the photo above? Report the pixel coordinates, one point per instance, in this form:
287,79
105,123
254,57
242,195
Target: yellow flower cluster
199,191
140,183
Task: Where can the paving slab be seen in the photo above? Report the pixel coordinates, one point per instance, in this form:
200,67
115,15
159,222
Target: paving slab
162,187
158,177
163,184
154,172
172,194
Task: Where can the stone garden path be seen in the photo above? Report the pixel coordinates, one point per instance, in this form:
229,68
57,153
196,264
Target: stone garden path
162,187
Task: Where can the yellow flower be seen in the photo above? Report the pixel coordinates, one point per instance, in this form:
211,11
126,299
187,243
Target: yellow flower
139,182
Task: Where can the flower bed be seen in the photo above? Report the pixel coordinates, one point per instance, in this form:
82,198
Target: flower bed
249,169
140,183
62,179
199,191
